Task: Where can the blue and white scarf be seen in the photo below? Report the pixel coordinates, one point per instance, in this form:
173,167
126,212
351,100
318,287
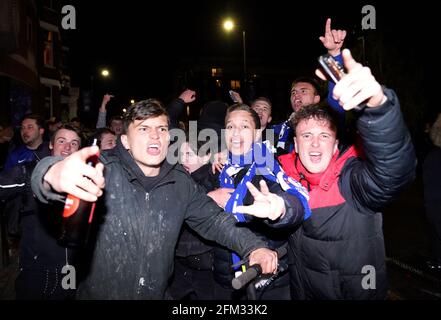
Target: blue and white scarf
259,158
285,130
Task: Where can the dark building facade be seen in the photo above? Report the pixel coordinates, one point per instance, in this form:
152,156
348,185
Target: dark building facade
34,76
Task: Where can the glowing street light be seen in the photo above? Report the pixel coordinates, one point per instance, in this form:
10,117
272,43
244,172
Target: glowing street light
132,101
228,26
105,73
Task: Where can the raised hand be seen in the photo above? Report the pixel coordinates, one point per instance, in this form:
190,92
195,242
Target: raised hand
106,99
333,39
265,205
188,96
72,175
235,96
357,86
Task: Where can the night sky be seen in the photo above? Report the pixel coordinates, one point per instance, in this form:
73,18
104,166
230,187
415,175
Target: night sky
142,41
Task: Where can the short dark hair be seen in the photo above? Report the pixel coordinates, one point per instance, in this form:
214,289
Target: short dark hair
115,118
318,112
98,135
263,99
309,80
247,108
38,119
145,109
70,128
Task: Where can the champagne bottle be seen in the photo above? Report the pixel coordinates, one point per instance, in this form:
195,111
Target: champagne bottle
77,216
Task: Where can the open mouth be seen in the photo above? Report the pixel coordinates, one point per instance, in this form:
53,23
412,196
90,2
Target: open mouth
236,143
154,149
315,157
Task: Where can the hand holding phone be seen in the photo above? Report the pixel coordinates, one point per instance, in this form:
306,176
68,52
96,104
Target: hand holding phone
332,67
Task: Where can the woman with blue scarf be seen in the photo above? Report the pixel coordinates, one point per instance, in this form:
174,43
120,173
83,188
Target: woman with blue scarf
252,176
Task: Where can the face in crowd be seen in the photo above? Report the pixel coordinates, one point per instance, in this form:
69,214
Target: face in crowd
303,94
263,109
240,131
31,133
315,143
190,160
65,142
147,141
108,141
116,126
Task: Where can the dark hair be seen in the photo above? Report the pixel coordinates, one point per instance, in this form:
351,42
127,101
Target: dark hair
247,108
263,99
318,112
70,128
38,119
115,118
309,80
98,135
145,109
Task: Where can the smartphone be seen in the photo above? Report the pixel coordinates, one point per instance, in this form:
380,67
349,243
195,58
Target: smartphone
335,71
332,67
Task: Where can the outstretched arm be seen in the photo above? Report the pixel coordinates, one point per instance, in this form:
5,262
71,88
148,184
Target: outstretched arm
102,112
176,107
333,41
52,177
390,158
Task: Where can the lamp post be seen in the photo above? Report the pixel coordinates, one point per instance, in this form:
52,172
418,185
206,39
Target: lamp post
229,26
89,98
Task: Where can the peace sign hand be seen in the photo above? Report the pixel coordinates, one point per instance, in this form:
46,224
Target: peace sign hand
265,205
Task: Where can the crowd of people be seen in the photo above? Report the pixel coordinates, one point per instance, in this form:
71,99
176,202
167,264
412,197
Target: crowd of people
184,230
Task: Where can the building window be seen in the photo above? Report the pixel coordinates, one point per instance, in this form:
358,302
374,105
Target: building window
48,51
218,83
235,84
216,72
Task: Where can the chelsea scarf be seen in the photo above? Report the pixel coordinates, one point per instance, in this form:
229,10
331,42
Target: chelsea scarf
262,160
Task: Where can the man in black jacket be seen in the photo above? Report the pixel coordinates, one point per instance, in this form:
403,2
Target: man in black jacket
41,258
339,252
145,203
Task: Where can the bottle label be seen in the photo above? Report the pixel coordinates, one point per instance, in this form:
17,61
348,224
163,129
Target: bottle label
70,206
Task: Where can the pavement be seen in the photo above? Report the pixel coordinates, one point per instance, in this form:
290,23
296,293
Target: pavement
407,249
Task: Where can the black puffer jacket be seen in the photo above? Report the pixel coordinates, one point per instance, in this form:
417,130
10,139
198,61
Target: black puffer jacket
135,244
334,252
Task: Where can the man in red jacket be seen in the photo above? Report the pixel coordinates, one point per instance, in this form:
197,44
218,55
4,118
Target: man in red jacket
338,253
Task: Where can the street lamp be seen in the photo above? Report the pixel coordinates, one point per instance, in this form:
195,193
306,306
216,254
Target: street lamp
229,26
105,73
